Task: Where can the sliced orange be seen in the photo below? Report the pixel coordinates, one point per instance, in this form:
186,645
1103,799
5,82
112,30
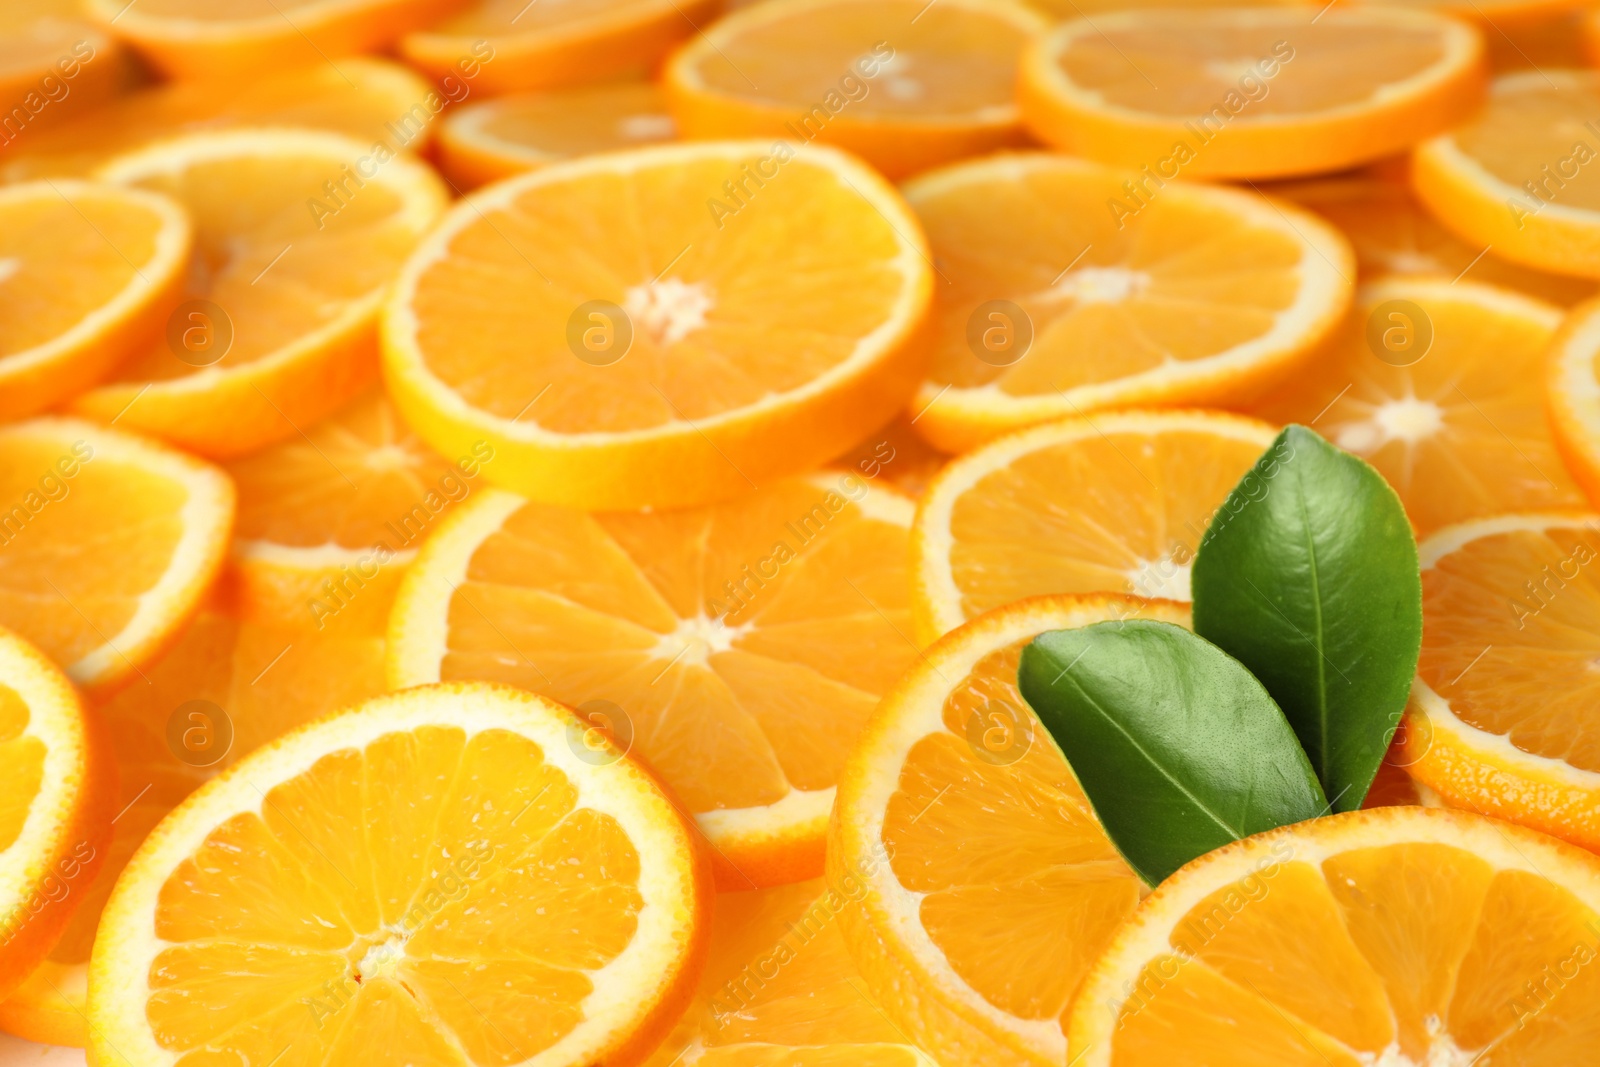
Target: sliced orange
298,235
107,544
55,817
88,273
1251,92
1499,720
1441,387
541,46
903,84
368,99
1065,292
896,452
697,347
986,885
434,877
779,990
241,39
54,64
1515,176
1396,936
737,647
1107,503
328,521
1572,390
494,139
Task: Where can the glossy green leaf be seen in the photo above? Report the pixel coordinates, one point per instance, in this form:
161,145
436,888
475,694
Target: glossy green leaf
1177,746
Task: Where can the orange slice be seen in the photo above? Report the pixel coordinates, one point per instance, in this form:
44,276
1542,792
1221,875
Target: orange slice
987,887
1514,176
1498,721
1397,936
1393,234
88,273
298,235
543,46
240,39
1251,92
54,63
904,85
329,521
109,541
1110,503
484,142
700,346
1064,292
1572,390
434,877
1459,430
368,99
55,814
737,647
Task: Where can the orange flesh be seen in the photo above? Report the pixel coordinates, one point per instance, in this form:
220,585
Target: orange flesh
1545,123
496,17
580,121
23,758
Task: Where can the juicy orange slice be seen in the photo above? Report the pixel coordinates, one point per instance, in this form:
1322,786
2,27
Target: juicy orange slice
328,521
368,99
54,63
298,235
702,345
1459,430
236,39
1396,936
1572,390
987,885
1478,179
904,85
1498,721
811,1008
107,544
55,817
737,647
1493,14
484,142
88,273
541,46
1113,503
1063,293
435,877
1250,92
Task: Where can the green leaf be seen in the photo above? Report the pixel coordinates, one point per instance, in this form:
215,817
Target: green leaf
1178,748
1308,576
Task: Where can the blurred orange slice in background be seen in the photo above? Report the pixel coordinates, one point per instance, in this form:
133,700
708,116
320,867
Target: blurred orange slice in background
1572,391
54,63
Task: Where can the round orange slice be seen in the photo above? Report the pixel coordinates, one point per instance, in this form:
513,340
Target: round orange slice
1572,389
1250,92
905,85
299,234
987,886
542,46
107,544
435,877
1514,177
1396,936
1107,503
737,647
1440,386
701,346
54,64
1065,291
55,813
494,139
88,274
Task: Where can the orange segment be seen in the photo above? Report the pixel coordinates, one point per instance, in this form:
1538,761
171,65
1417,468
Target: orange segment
1065,290
298,235
1461,431
904,85
107,544
494,139
1395,936
1258,92
1114,503
88,274
737,647
432,877
989,886
694,350
1572,392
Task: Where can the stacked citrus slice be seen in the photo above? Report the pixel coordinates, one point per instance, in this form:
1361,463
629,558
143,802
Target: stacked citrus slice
1572,390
